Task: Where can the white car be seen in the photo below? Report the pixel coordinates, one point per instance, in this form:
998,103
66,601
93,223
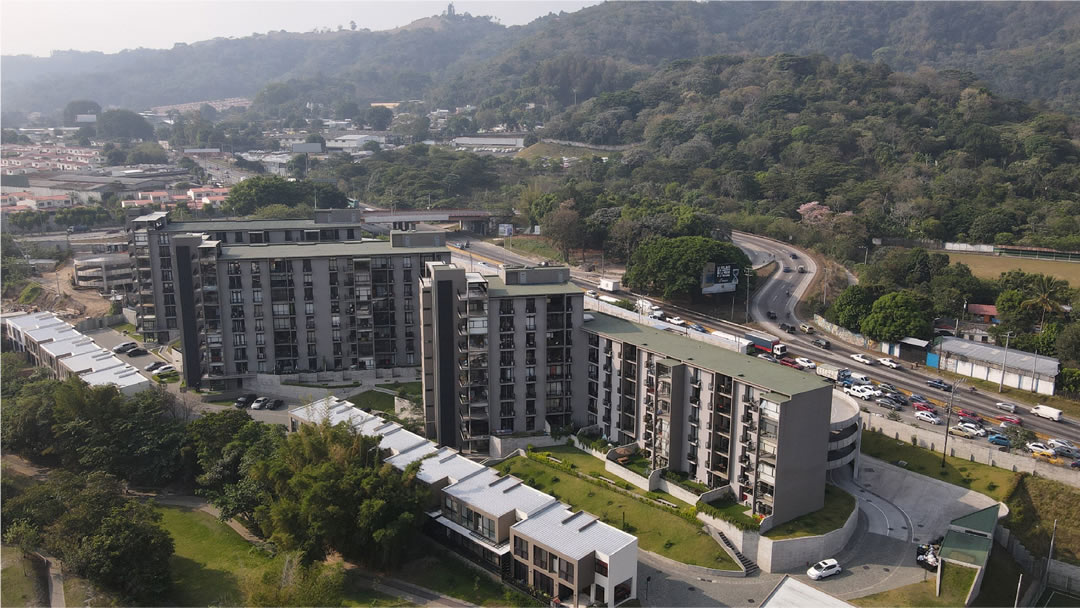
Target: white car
1040,448
260,403
164,369
123,348
974,429
861,358
767,357
862,392
1060,443
592,293
676,321
887,362
927,417
806,363
823,569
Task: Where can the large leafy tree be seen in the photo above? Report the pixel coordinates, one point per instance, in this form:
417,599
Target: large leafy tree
565,229
124,124
79,106
1048,295
895,316
673,268
852,306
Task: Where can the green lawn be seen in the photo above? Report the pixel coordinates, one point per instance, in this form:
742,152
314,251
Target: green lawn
444,573
128,329
358,594
955,584
591,466
838,507
735,511
1034,506
992,481
413,390
372,399
210,561
999,582
22,582
657,530
533,245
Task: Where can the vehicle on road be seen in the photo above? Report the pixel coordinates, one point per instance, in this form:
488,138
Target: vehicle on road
787,268
806,363
887,362
972,428
1067,452
806,328
1045,411
760,341
821,343
939,384
861,358
154,366
927,417
999,439
922,406
959,432
959,411
698,327
244,400
794,256
859,391
609,285
832,372
1075,464
1008,407
895,396
887,403
1062,443
137,352
1010,419
789,363
823,569
788,328
125,347
802,269
767,357
1036,447
771,315
260,403
676,321
918,397
1004,426
591,293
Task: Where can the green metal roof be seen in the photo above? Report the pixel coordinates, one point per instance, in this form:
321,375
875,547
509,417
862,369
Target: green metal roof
983,520
497,288
777,378
318,250
967,548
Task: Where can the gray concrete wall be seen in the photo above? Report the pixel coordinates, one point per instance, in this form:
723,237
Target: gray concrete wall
970,449
501,447
100,322
676,490
1063,576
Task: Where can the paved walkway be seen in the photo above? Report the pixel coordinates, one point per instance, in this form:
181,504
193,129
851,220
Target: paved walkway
56,583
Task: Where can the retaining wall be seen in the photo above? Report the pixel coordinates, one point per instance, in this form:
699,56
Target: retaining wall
100,322
676,490
504,446
969,449
1063,576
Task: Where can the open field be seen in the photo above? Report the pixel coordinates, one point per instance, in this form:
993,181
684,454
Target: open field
955,584
838,507
533,245
374,400
542,149
991,266
992,481
657,530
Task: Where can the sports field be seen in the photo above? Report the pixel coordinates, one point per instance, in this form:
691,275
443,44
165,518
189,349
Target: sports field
991,266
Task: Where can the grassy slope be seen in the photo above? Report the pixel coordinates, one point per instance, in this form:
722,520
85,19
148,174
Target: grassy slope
838,507
657,530
1034,506
543,149
955,584
21,581
992,481
534,246
446,574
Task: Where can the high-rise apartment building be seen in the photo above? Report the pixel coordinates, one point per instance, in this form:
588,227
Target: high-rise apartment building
499,353
280,296
721,417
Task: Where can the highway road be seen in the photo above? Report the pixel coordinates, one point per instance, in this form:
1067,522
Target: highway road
774,295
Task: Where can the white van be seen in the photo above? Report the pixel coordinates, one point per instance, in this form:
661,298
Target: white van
1045,411
858,378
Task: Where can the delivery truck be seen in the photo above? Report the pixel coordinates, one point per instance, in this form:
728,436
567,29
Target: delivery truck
761,341
832,372
609,285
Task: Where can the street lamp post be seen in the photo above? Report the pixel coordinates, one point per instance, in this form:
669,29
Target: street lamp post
948,418
747,270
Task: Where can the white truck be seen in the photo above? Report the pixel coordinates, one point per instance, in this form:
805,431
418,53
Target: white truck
649,309
832,372
1045,411
609,285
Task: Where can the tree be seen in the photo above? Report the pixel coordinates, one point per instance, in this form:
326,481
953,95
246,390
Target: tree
1068,344
1049,294
379,117
565,230
852,306
346,110
291,583
147,153
896,316
79,106
674,267
262,190
284,212
124,124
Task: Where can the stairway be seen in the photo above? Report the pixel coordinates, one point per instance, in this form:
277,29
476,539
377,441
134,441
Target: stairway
750,567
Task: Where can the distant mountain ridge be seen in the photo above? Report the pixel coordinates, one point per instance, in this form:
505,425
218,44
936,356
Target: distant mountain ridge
1024,49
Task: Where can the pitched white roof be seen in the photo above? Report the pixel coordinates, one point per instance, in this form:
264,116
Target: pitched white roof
123,377
75,345
33,321
574,533
487,491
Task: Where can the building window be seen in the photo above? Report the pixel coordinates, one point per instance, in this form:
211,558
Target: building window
540,557
521,548
566,571
600,566
240,354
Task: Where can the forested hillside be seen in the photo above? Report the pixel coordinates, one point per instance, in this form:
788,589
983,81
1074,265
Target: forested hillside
1025,50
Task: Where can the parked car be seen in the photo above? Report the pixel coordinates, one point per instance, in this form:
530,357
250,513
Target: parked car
999,439
137,352
277,404
861,358
125,347
1010,419
972,428
165,370
887,403
244,400
922,406
927,417
807,363
771,315
824,568
260,403
939,384
1036,447
154,366
821,343
1008,407
887,362
767,357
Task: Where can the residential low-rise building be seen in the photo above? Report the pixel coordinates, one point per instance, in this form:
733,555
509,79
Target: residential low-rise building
528,537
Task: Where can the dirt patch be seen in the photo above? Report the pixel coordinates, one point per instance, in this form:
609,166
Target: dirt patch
69,303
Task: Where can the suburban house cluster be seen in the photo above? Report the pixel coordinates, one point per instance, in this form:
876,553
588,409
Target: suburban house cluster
525,535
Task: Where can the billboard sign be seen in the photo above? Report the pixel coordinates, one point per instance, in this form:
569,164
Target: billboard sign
719,278
506,229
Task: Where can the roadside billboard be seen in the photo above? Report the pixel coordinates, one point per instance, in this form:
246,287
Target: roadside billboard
506,229
719,278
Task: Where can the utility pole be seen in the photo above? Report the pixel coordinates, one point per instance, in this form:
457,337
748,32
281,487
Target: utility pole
1016,602
748,270
1004,357
1034,377
825,286
948,419
957,330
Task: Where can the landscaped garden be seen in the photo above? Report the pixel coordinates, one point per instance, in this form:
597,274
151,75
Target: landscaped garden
838,507
658,529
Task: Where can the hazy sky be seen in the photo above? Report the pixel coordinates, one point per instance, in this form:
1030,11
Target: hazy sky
38,27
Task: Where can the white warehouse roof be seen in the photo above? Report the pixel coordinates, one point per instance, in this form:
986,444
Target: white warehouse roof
1017,360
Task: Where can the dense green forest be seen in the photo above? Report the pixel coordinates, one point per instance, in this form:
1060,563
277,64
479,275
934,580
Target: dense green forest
1025,50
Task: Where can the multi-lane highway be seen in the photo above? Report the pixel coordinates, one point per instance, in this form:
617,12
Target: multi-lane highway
780,294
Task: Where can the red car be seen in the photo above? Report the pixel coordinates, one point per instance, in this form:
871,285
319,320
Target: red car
791,364
1010,419
923,406
968,413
